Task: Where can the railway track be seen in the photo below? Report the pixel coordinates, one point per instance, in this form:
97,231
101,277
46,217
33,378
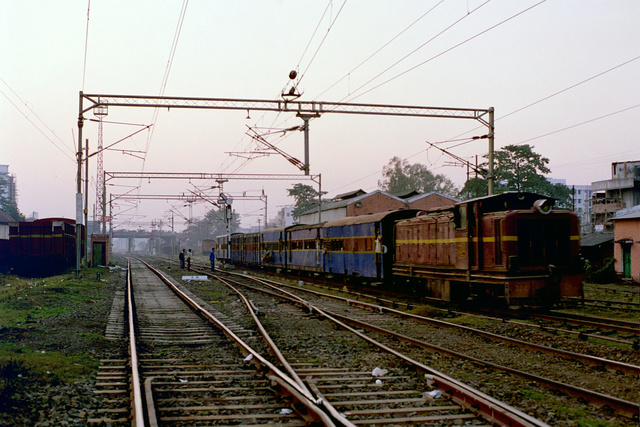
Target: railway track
597,397
348,395
622,326
181,370
604,304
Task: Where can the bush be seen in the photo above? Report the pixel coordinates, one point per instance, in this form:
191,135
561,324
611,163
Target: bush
606,274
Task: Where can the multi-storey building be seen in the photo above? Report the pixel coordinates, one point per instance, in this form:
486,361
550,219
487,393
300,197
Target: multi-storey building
7,184
622,191
580,202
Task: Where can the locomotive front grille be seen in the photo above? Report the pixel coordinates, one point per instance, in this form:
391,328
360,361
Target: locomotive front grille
543,241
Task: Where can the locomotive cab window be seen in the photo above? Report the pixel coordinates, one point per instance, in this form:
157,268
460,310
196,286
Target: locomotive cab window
460,217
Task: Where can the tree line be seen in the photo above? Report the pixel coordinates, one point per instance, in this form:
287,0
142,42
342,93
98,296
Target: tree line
516,168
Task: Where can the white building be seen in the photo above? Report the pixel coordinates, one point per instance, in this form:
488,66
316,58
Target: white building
580,201
8,184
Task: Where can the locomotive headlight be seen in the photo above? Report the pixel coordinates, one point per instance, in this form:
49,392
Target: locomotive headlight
543,206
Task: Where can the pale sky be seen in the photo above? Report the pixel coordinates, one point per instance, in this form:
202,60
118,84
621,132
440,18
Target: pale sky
577,62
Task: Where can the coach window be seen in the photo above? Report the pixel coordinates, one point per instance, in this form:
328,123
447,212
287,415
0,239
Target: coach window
460,217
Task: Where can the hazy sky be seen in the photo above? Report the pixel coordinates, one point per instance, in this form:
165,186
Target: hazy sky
574,65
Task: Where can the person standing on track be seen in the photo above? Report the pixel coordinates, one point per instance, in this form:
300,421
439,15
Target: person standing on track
212,259
189,260
181,258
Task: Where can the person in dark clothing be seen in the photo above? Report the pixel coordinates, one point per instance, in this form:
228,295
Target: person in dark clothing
189,260
181,258
212,259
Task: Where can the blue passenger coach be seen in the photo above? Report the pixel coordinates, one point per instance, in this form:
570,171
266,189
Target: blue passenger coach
361,246
304,248
274,253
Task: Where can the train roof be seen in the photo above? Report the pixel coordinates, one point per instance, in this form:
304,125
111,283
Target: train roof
272,229
304,226
510,200
363,219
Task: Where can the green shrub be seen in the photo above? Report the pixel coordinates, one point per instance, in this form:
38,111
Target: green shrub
606,274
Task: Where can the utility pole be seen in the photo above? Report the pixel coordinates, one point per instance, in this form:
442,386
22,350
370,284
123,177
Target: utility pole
490,176
305,118
86,201
79,191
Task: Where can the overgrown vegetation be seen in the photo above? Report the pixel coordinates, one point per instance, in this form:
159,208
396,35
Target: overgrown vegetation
51,332
605,274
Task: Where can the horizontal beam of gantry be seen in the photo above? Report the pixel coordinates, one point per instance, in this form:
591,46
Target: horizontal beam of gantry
207,176
300,107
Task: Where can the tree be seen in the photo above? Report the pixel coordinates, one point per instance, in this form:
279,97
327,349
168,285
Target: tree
7,203
399,176
306,198
518,168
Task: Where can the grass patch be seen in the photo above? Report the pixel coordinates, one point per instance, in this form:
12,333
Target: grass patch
51,329
472,321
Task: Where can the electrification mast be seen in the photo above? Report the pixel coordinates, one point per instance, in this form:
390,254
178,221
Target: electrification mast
100,112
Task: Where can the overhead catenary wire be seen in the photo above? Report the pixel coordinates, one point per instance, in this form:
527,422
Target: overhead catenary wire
443,52
165,78
321,42
248,159
329,4
380,49
546,98
304,52
38,128
86,45
578,124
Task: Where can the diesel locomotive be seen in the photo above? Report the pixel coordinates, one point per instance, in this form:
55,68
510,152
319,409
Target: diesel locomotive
511,249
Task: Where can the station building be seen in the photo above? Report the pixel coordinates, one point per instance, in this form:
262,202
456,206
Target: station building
359,202
626,248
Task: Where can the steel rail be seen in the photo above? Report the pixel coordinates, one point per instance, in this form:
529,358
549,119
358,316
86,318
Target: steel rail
580,334
302,395
626,408
602,301
136,389
615,324
583,358
491,409
273,348
487,407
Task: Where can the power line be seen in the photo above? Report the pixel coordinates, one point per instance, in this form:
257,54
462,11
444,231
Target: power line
380,49
36,126
167,70
72,149
322,42
314,33
416,50
86,45
578,124
443,52
551,96
247,160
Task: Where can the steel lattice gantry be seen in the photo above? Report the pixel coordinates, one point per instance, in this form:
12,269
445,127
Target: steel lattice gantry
304,109
299,107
